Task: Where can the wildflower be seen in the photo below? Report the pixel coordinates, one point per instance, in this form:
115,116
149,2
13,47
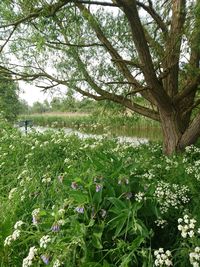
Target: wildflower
61,212
162,258
8,240
18,224
186,226
55,227
29,259
44,241
11,193
74,185
103,213
60,178
79,209
99,187
16,234
45,259
61,222
161,223
57,263
35,216
195,257
139,197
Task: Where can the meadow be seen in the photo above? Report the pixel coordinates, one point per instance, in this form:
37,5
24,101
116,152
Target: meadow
91,203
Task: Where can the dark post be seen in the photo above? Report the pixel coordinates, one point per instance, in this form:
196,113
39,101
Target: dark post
26,126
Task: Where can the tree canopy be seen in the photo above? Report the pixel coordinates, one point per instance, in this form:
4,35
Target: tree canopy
9,101
113,50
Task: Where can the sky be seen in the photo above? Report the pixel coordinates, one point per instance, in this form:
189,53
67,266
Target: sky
30,93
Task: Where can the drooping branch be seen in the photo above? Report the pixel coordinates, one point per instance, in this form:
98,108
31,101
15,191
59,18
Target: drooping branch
8,38
49,10
154,15
96,3
115,56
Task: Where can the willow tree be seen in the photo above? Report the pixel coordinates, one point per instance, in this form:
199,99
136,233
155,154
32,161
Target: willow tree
115,50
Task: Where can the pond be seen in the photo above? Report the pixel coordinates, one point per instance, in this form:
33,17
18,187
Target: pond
137,135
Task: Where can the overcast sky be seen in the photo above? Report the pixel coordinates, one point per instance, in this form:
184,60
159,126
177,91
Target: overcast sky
31,93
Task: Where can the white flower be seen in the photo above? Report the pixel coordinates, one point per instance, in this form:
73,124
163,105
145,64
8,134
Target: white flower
16,234
29,259
18,224
11,193
8,240
57,263
44,241
61,212
162,258
191,233
184,234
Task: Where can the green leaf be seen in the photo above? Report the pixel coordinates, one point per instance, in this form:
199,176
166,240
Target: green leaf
79,197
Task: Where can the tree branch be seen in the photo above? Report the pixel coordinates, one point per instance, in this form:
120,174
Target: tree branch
154,15
96,3
7,40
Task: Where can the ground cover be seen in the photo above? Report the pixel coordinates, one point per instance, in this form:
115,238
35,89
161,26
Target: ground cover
71,202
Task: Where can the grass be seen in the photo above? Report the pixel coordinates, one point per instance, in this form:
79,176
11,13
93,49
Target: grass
95,202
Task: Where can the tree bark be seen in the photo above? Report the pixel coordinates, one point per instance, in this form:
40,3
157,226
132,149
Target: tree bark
170,123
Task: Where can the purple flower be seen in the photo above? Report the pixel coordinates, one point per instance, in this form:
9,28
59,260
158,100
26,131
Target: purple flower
99,187
74,185
45,259
79,209
55,227
35,220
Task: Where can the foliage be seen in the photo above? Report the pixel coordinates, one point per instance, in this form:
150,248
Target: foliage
9,101
96,202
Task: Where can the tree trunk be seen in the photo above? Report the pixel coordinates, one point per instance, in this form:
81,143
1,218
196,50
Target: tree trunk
170,123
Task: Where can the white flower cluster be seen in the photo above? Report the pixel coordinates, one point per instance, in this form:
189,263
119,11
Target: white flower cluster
35,216
18,224
12,192
149,175
57,263
140,196
29,259
186,226
44,241
194,169
171,195
15,235
161,223
195,257
163,258
46,180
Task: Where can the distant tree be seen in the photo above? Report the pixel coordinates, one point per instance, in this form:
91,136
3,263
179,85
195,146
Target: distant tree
24,108
38,107
9,100
56,104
